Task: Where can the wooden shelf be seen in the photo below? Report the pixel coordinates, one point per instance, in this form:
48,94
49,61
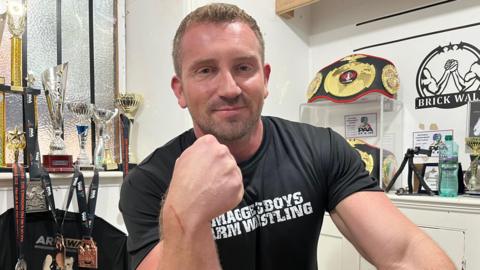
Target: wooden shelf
286,8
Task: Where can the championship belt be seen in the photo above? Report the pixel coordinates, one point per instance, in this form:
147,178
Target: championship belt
370,155
352,77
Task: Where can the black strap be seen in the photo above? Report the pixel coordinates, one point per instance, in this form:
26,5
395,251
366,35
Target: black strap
19,194
125,142
47,186
87,208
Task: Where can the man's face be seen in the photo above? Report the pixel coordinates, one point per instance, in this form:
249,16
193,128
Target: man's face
223,82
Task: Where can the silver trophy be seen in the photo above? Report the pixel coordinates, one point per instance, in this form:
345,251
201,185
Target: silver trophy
54,82
102,117
84,111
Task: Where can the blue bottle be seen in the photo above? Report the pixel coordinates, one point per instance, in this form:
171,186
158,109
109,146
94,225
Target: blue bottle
448,168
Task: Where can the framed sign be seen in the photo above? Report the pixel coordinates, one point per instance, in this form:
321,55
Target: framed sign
430,140
431,175
361,125
473,124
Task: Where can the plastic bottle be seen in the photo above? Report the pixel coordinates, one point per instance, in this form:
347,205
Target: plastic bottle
448,167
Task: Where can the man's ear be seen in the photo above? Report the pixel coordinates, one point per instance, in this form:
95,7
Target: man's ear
266,77
177,88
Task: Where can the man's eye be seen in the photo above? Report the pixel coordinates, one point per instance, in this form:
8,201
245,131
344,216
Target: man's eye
244,68
205,70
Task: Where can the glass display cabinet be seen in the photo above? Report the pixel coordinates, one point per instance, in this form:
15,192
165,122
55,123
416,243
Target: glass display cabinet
373,124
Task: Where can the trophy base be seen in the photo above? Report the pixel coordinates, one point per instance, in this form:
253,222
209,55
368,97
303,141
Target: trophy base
58,163
110,167
85,167
474,193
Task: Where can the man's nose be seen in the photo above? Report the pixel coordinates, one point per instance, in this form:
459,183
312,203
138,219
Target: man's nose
228,87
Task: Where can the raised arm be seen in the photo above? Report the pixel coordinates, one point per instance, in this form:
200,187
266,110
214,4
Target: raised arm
206,182
384,236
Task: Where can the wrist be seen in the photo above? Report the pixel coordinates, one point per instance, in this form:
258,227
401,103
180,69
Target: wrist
181,224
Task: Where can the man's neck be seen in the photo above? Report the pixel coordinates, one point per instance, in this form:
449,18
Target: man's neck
244,148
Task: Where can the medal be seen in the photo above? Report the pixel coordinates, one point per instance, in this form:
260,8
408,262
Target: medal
87,254
61,252
21,264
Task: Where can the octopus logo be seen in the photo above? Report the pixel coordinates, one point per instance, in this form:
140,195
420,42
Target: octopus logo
449,77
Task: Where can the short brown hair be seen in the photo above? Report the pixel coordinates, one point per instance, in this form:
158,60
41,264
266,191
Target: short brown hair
214,13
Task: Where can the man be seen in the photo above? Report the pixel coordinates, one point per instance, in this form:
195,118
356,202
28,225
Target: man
241,191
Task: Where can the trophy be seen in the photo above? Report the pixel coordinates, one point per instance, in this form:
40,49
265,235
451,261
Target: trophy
16,142
109,160
102,117
84,111
16,19
54,82
128,103
473,183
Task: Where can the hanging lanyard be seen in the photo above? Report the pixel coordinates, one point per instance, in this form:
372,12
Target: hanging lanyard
87,253
19,194
59,240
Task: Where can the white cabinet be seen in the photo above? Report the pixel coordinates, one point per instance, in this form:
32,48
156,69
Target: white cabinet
385,117
454,223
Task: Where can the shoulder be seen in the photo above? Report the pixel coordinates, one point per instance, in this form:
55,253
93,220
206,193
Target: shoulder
292,128
313,137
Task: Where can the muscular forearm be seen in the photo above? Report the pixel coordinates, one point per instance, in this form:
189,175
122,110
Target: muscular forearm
187,246
423,253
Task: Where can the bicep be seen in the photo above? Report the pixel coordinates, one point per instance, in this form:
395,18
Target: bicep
374,226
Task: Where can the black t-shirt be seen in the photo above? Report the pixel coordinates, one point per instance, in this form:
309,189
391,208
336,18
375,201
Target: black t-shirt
299,172
40,241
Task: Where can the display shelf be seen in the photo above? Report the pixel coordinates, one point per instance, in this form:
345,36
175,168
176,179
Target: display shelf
286,8
384,135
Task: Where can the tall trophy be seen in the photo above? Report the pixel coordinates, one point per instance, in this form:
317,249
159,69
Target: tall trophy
473,183
54,82
16,19
102,117
128,104
84,111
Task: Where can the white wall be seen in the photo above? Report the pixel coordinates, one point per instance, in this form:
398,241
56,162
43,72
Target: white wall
334,35
150,29
317,36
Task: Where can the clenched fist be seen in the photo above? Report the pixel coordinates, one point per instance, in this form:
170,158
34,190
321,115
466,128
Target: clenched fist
206,182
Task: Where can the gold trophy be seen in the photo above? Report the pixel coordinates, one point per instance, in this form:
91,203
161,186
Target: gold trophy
16,19
16,142
129,104
473,183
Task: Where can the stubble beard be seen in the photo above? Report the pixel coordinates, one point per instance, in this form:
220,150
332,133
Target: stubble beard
229,131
